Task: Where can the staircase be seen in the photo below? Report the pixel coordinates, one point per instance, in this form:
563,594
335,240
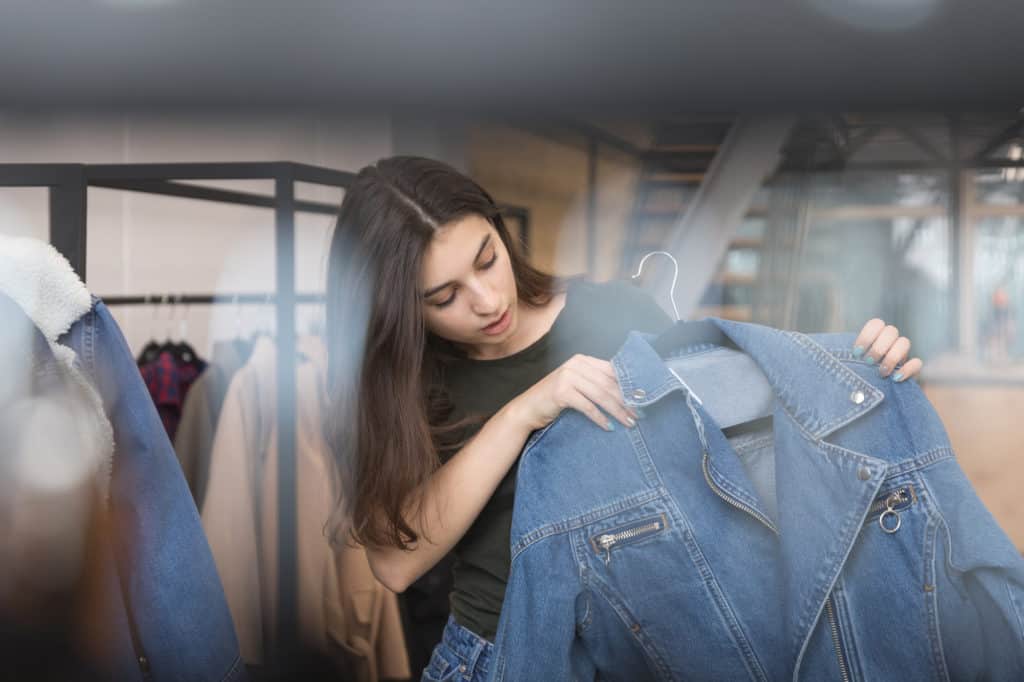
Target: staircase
672,169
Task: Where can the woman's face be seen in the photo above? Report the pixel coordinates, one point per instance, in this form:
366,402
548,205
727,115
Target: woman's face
469,290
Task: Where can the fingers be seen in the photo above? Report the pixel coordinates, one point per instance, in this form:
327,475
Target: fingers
606,368
882,344
896,354
593,386
867,336
608,398
909,369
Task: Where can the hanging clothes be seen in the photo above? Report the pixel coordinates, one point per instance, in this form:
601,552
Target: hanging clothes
193,440
168,379
342,610
163,612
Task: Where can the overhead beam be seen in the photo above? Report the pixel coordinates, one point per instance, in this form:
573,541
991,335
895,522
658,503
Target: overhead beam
1005,135
750,153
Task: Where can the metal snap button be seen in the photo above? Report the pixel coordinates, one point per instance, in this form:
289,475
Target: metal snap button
639,394
863,473
857,397
462,668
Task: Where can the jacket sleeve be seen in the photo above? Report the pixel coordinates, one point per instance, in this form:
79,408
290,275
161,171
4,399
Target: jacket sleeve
980,584
170,583
536,637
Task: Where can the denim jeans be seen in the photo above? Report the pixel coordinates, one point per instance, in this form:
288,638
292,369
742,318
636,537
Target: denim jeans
461,655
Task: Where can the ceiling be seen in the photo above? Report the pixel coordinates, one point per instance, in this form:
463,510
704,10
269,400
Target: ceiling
526,56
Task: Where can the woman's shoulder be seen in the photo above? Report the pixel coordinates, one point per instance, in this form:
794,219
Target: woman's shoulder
617,300
610,291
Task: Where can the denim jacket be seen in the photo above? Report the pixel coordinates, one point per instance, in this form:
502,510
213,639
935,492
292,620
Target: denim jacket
170,620
652,553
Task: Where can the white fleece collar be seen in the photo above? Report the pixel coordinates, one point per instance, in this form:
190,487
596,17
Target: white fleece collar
41,281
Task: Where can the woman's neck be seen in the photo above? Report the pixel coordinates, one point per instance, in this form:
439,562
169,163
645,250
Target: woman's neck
532,324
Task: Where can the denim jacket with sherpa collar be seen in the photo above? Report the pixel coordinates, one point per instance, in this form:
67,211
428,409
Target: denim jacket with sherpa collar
653,553
162,606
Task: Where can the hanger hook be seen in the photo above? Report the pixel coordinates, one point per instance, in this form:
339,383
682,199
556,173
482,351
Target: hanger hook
675,276
183,320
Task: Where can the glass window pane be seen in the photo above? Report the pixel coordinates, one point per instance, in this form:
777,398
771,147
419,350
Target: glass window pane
874,245
999,288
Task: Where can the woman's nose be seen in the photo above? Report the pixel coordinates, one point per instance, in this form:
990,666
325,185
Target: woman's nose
485,301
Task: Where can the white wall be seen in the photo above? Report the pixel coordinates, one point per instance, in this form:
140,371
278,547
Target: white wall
144,244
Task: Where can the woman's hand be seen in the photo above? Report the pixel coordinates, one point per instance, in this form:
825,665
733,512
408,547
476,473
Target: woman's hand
583,383
882,343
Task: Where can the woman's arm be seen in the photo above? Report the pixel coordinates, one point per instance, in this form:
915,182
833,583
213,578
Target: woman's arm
457,492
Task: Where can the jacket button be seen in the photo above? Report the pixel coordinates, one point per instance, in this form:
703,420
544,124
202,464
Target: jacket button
639,394
857,397
863,473
144,664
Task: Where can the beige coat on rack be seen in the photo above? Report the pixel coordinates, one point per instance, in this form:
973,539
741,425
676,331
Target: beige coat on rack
343,611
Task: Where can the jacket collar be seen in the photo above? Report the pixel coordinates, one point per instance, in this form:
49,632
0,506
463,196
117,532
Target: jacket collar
817,391
41,282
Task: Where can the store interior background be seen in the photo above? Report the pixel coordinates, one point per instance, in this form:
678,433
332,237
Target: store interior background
917,218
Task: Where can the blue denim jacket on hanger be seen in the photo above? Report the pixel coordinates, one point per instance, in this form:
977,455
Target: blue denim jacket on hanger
649,552
173,603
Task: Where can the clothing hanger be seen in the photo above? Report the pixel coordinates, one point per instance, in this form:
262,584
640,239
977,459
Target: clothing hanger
745,410
683,333
152,349
183,351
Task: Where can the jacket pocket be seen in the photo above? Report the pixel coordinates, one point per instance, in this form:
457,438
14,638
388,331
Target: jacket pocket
613,539
889,506
439,669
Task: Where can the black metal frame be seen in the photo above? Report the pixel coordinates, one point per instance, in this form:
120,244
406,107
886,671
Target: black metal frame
68,185
68,188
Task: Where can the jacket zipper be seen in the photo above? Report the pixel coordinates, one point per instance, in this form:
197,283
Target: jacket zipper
898,496
736,503
608,540
843,670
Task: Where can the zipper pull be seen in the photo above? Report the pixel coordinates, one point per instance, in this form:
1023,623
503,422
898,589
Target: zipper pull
891,502
606,542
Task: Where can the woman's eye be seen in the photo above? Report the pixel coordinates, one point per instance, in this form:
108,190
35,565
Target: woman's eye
447,302
491,262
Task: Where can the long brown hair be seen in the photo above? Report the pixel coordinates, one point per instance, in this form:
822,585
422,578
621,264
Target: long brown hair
388,408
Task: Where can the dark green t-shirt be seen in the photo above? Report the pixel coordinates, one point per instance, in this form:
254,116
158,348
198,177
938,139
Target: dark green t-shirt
594,321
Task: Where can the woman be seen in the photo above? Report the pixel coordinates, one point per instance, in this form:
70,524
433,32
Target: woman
446,351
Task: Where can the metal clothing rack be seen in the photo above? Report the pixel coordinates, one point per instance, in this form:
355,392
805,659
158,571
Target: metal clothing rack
68,186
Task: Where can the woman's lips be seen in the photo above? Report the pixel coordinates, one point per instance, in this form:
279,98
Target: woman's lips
500,325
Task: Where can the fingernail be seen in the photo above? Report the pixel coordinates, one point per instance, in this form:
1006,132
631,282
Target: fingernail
631,422
897,377
609,426
858,351
870,360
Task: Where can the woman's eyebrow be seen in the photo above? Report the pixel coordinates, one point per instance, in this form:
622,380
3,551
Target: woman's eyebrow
433,290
